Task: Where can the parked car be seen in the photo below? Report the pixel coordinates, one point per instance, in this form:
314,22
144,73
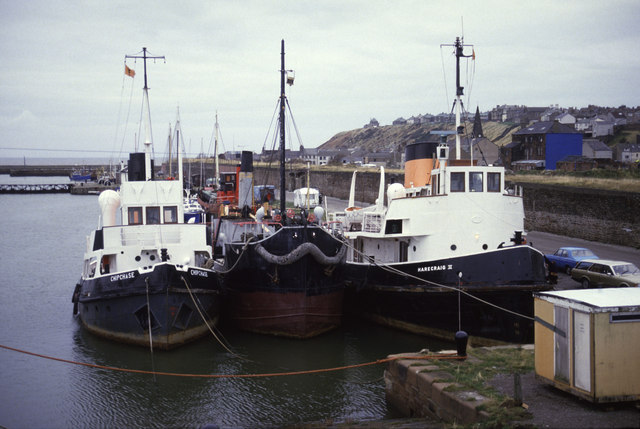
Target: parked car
565,258
603,273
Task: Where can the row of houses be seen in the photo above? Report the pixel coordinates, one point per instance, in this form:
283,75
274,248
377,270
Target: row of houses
543,145
594,121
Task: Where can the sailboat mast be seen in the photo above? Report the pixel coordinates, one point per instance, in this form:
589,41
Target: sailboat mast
170,149
216,177
179,155
282,136
147,125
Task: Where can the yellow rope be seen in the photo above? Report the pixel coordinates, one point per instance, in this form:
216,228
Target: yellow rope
274,374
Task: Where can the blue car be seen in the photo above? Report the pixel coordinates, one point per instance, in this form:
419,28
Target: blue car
565,258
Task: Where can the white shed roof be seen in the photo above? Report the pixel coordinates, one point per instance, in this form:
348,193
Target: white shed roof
596,300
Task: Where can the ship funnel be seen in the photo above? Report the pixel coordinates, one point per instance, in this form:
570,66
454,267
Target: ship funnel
109,201
137,167
245,180
419,161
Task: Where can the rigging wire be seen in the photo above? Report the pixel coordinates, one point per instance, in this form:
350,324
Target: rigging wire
295,126
444,72
118,118
126,122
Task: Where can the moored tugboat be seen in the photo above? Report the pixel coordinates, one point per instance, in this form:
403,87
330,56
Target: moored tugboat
281,271
448,252
147,276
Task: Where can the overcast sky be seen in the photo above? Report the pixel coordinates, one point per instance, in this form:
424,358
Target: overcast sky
62,82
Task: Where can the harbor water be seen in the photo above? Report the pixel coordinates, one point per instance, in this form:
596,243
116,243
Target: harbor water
43,240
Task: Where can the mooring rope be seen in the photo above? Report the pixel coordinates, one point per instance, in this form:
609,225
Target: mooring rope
244,249
204,319
444,356
146,280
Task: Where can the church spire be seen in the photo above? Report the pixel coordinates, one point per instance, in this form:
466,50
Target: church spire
477,125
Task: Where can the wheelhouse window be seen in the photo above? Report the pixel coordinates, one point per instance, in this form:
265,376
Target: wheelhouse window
393,226
153,215
457,182
170,214
493,182
475,181
135,215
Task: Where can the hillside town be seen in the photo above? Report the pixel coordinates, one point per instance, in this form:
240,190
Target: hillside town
528,138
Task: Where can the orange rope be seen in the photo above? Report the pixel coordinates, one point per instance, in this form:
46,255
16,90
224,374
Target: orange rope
275,374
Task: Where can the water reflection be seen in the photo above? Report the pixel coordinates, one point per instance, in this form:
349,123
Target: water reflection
117,398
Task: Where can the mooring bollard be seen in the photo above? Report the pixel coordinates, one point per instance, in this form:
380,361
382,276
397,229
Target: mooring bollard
517,390
461,343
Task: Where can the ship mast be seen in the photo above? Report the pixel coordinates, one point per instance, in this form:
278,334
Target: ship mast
283,193
459,48
147,124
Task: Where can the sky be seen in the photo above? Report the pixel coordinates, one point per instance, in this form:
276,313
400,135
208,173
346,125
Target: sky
63,92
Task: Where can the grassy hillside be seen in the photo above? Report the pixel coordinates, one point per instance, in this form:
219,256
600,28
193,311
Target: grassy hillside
396,137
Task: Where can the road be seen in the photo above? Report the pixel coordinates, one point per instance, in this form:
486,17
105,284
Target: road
548,243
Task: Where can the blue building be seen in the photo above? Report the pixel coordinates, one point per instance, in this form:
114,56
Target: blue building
543,141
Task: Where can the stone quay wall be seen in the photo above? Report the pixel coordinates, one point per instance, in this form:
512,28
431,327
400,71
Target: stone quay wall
591,214
416,388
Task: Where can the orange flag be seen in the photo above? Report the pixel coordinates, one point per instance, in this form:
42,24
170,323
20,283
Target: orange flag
128,71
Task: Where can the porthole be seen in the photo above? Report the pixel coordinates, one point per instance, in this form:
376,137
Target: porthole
485,247
414,248
454,247
152,257
138,258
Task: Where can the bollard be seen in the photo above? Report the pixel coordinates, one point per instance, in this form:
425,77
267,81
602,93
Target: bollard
517,390
461,343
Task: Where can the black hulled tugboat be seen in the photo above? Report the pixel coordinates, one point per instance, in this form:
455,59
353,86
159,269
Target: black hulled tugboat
281,270
147,276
